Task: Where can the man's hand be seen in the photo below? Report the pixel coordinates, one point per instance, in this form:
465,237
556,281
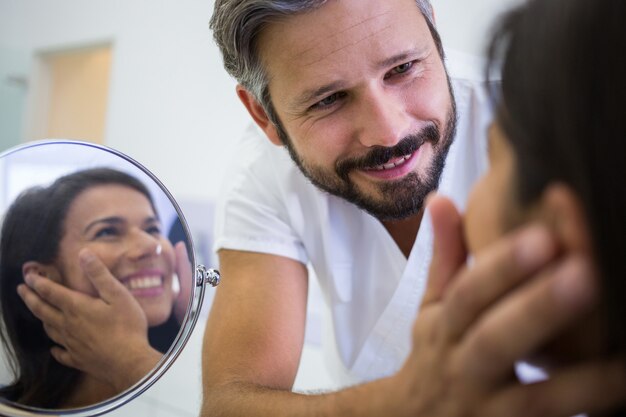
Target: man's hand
477,321
105,337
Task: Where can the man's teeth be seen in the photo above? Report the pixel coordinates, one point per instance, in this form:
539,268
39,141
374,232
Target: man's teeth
393,164
141,283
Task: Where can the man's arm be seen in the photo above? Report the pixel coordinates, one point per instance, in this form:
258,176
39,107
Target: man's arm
253,342
476,323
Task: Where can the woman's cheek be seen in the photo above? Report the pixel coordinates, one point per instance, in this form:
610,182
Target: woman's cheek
481,221
168,254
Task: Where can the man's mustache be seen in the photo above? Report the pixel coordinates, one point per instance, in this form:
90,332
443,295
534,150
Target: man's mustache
380,155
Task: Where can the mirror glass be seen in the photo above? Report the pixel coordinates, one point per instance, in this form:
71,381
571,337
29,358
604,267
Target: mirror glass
56,198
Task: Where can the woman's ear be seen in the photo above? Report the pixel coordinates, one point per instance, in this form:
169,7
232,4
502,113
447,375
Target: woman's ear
564,213
259,115
44,270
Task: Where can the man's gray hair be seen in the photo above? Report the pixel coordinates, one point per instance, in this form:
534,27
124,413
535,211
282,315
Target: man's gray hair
236,25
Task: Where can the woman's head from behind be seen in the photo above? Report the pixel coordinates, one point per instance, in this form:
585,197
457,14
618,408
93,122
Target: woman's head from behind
110,213
557,146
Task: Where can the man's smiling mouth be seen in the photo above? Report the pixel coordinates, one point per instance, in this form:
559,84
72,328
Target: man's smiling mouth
394,163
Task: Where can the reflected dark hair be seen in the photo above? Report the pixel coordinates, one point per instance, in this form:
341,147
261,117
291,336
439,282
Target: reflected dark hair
31,231
562,107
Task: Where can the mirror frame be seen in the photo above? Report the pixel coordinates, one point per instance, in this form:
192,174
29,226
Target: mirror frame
201,276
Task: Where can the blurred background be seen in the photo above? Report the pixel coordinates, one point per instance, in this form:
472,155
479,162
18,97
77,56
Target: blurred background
145,78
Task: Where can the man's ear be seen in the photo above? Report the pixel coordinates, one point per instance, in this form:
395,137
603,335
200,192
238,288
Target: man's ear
564,213
44,270
259,115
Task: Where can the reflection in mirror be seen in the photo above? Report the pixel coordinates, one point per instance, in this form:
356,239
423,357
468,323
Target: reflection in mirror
84,329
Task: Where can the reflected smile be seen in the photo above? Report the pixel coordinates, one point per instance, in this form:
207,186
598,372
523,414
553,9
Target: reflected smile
144,282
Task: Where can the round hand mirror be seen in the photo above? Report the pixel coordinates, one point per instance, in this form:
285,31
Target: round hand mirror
97,296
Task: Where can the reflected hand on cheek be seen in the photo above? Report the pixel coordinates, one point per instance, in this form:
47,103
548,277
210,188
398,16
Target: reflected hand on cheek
88,330
119,225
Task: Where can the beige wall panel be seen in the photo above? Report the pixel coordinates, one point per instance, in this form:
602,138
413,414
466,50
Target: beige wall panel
79,86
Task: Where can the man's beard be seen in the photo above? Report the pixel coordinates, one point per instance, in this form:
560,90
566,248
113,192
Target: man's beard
400,198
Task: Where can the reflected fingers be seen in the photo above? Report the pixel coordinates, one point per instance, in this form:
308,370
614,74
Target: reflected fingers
56,336
108,287
63,357
54,294
40,308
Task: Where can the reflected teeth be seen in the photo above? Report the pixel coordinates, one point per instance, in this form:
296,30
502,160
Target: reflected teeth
391,165
144,282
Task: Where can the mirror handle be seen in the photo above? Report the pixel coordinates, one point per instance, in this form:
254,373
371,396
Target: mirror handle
208,276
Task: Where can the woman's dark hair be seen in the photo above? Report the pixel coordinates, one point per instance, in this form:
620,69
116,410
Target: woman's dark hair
31,231
563,108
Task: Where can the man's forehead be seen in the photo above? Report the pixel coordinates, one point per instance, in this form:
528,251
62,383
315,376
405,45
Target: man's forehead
334,27
337,39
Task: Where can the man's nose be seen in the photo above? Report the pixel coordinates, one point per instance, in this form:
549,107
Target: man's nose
382,119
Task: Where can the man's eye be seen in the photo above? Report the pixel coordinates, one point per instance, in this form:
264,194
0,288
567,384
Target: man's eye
328,101
400,69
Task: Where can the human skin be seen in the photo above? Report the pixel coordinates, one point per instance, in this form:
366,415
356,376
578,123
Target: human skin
254,334
493,210
115,227
375,79
118,225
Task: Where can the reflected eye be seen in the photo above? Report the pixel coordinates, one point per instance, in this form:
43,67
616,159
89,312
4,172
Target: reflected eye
106,232
154,230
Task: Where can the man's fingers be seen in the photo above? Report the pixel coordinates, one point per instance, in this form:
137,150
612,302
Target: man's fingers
108,287
592,388
40,308
526,319
449,252
495,271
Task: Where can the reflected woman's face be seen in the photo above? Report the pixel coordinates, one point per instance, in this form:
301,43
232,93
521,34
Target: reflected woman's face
118,224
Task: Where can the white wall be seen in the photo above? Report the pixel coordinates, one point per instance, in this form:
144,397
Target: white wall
465,25
171,105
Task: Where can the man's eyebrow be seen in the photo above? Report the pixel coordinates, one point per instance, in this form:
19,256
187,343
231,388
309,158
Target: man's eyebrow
315,94
112,221
400,58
